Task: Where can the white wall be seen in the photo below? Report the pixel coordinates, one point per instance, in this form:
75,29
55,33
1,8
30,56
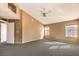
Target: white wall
10,33
3,5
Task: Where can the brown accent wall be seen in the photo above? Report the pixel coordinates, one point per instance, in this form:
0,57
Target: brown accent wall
57,31
31,28
27,28
18,27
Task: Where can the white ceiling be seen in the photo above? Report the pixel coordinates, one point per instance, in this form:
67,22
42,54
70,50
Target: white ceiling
59,11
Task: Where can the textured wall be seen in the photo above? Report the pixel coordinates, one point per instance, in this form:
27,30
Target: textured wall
18,27
31,28
57,31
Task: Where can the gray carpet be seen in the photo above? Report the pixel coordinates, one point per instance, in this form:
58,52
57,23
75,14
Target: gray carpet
40,48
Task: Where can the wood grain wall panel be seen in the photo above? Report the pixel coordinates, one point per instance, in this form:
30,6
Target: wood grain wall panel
27,28
18,27
31,28
57,31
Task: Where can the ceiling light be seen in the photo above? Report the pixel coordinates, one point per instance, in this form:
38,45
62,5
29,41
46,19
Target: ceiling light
45,12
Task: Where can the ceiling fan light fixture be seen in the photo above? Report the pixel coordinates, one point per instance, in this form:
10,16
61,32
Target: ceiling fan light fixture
45,12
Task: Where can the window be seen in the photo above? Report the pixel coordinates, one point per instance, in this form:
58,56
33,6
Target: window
71,31
42,32
3,33
46,29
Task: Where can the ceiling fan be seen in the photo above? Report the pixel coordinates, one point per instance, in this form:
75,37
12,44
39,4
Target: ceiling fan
45,12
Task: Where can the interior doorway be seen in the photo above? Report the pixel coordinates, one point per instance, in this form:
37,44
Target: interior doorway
3,32
7,33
